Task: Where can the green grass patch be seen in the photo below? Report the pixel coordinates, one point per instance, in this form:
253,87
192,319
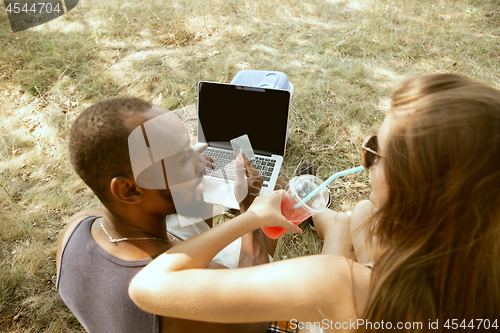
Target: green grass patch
343,57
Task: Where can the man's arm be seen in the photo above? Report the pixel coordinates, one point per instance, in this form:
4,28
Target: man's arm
253,249
253,245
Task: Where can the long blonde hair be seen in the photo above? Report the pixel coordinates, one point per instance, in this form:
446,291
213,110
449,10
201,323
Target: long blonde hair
439,230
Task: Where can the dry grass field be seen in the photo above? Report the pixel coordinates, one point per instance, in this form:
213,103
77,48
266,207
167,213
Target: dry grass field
343,57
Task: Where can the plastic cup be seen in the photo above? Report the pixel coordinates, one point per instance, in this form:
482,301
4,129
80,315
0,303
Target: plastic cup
299,188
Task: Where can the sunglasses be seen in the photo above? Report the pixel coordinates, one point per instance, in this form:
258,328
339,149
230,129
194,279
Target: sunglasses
369,152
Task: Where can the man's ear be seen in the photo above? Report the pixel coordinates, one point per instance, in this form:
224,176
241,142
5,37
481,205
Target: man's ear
125,189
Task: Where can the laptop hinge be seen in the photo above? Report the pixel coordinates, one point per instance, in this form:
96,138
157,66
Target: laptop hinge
261,152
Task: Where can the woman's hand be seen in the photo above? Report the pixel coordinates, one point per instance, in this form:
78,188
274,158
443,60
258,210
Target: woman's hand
267,208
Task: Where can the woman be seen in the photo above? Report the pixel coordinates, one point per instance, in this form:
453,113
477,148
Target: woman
434,213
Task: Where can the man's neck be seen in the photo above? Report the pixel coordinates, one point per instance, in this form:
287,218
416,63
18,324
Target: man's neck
146,235
134,224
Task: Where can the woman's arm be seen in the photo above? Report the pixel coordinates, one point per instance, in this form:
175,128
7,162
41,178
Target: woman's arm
200,250
360,215
305,289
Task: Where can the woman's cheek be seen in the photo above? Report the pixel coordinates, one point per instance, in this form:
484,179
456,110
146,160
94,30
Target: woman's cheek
379,185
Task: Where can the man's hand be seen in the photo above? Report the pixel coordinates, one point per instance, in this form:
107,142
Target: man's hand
210,160
245,191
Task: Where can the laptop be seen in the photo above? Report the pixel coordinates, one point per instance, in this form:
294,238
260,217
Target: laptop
227,111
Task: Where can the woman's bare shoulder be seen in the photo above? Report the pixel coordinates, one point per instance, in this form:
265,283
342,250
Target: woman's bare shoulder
363,208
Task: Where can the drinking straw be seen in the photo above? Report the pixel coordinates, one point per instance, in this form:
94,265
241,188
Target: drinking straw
328,181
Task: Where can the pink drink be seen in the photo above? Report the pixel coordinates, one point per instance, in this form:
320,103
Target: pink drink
299,187
291,213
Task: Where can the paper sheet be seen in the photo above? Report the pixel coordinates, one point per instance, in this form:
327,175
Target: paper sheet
242,143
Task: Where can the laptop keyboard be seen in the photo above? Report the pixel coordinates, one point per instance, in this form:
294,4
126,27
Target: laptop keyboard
224,165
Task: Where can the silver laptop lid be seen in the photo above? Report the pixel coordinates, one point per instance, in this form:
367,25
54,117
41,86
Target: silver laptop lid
226,111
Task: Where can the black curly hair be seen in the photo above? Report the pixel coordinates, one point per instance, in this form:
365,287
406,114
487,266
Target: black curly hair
98,144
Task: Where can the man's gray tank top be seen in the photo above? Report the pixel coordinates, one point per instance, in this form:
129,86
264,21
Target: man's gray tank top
94,286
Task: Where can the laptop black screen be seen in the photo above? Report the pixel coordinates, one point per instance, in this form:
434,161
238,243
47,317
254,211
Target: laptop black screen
227,111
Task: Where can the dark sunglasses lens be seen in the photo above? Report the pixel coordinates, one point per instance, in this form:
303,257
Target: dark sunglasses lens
372,143
368,159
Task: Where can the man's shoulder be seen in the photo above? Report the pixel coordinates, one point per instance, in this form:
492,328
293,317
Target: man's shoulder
71,224
73,221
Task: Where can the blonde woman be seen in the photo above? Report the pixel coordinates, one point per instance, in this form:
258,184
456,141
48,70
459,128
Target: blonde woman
434,213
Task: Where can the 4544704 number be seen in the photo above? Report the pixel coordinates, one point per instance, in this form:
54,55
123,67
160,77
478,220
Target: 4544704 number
37,7
486,324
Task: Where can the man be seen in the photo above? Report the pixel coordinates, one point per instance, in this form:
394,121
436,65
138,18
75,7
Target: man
101,250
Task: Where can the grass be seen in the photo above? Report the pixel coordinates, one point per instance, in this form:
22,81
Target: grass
343,57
